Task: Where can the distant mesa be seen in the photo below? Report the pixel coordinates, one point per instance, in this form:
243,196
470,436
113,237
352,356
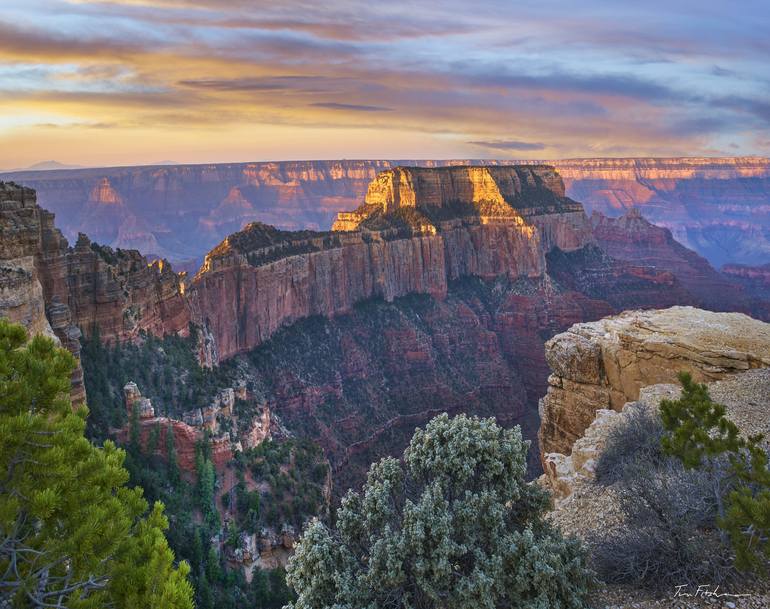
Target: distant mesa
719,207
422,197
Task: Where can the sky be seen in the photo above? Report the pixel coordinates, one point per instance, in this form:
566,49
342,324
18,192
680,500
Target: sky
123,82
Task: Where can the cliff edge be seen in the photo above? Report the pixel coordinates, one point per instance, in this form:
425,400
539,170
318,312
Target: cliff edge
604,364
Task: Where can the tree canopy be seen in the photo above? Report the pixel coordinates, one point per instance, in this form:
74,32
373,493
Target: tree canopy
71,533
453,524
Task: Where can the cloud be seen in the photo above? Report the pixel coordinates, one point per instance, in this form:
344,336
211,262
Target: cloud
510,145
453,75
54,47
311,84
351,107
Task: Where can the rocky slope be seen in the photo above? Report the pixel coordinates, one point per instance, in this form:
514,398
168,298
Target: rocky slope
633,238
754,279
62,291
503,260
604,364
593,510
718,207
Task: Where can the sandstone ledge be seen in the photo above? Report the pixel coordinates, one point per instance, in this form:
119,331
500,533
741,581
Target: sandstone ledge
604,364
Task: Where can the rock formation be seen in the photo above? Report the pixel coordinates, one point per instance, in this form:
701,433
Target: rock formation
60,291
581,505
122,294
510,219
564,473
715,206
499,273
33,271
632,238
604,364
187,433
718,207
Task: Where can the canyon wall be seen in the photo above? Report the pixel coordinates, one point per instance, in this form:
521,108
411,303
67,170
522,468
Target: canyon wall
60,291
410,312
122,294
604,364
261,279
719,207
633,238
358,383
33,274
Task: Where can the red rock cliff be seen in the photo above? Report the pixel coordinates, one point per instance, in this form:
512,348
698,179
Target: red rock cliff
717,206
60,291
477,221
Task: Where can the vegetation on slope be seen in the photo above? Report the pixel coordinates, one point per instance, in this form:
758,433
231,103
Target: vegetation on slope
694,494
166,369
71,532
279,483
452,525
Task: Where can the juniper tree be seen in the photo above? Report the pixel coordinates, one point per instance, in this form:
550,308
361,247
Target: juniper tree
452,525
71,533
698,432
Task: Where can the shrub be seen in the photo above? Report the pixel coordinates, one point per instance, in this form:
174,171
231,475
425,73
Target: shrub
635,442
669,535
699,435
452,525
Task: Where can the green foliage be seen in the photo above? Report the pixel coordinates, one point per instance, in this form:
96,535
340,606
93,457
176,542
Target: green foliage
295,471
166,369
698,433
71,533
453,525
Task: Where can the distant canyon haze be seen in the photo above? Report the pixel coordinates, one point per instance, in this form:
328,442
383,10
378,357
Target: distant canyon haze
719,207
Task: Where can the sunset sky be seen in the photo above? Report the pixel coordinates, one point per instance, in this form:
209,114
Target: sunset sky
137,82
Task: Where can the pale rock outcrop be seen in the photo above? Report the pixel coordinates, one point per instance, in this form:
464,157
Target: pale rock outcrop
604,364
564,473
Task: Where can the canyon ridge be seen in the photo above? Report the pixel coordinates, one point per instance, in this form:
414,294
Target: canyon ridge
718,207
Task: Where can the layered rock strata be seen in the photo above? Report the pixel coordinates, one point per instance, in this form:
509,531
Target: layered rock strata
633,238
754,279
118,291
419,229
122,294
60,291
33,288
604,364
716,206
